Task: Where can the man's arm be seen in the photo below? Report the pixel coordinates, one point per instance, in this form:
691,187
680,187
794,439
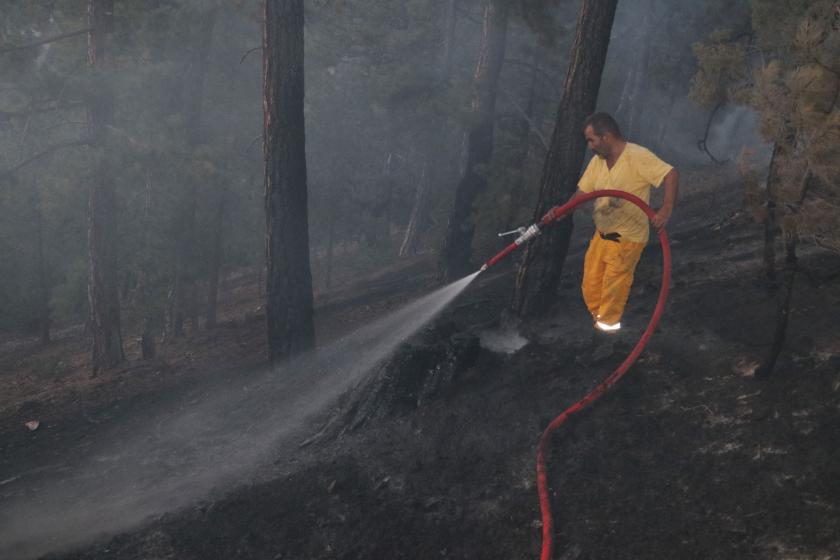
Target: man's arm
671,183
550,214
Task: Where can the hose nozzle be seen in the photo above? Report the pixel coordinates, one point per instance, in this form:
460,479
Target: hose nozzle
519,230
526,234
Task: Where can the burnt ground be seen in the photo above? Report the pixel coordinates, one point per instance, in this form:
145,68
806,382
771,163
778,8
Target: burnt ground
689,456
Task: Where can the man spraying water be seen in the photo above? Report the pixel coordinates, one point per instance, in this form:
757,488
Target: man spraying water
621,226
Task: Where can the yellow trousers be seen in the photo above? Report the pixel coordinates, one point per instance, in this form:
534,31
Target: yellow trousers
608,275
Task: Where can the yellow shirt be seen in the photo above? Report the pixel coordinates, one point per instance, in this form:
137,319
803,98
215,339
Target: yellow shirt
635,171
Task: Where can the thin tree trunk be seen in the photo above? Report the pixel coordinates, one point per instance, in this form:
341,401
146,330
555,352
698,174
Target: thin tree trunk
331,215
42,271
636,104
437,151
148,306
542,263
790,270
185,304
455,257
784,299
665,118
449,38
107,349
289,306
215,261
524,134
770,226
421,195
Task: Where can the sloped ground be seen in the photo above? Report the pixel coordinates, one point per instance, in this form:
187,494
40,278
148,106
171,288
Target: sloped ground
689,456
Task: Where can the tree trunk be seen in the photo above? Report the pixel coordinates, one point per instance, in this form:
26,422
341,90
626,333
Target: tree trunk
770,226
665,119
455,257
184,291
331,215
524,134
542,263
438,148
42,270
784,299
215,261
421,195
790,270
103,300
290,326
449,38
149,308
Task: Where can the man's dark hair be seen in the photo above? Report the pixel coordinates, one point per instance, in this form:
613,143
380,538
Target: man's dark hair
602,123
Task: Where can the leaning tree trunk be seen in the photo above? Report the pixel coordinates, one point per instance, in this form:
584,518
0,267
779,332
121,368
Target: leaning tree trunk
184,291
103,299
542,263
289,303
455,257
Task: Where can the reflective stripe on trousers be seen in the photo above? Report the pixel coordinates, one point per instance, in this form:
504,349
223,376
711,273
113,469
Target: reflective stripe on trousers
608,275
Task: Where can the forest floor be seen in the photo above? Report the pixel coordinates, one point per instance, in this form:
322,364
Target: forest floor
689,456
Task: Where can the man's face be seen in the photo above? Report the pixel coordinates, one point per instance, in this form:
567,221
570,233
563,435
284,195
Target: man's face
598,144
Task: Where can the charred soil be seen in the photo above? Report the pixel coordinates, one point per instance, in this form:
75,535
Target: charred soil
689,456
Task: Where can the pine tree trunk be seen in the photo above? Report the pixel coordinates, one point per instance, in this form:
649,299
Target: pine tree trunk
333,211
184,292
636,104
784,299
770,226
524,134
149,308
103,300
449,38
289,306
215,261
665,118
438,149
421,195
42,271
455,257
542,263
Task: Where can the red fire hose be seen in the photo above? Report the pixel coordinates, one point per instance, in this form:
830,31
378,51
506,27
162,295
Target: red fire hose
552,215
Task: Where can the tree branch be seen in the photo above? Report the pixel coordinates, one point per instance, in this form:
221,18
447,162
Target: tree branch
6,115
45,41
528,119
701,144
249,51
542,72
39,155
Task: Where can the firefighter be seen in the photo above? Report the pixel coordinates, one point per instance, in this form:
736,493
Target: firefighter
621,227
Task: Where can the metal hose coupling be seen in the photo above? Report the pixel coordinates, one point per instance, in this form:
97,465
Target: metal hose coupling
527,234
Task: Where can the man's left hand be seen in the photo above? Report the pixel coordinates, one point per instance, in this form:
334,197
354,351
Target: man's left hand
662,217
